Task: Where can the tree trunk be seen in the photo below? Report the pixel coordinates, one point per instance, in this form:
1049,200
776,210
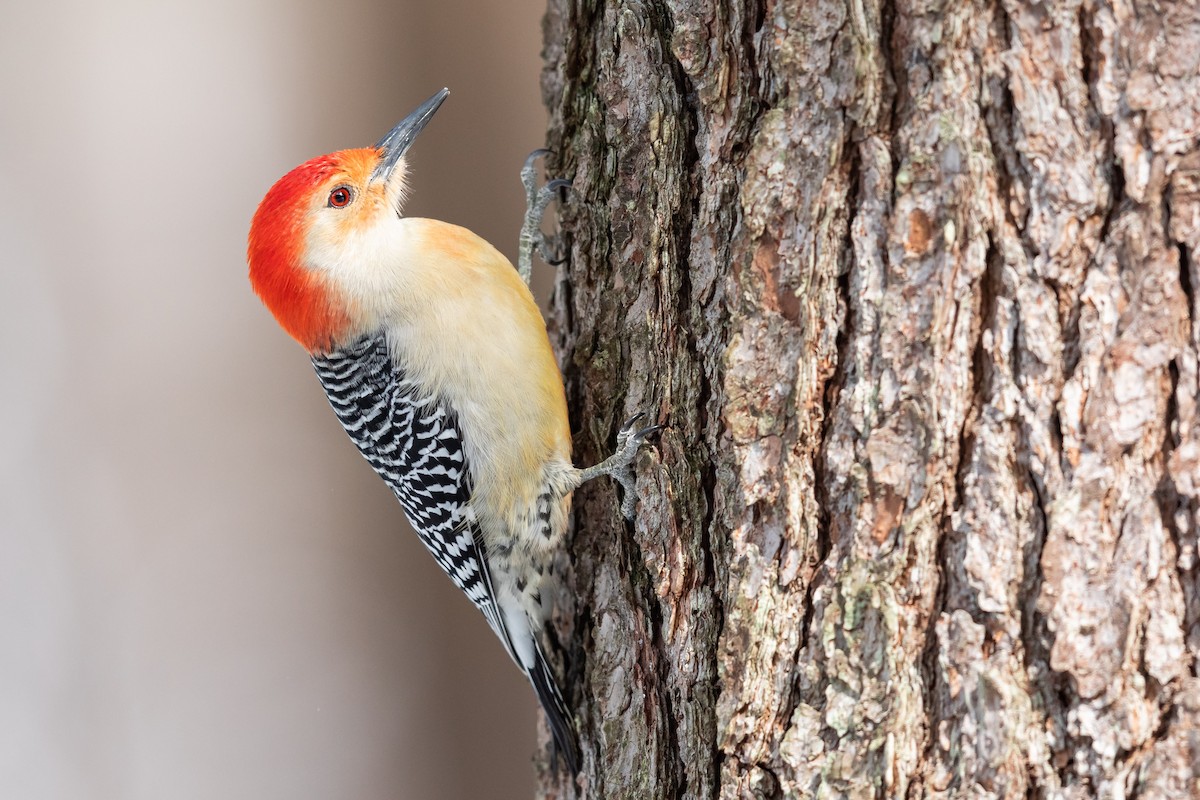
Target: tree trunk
913,288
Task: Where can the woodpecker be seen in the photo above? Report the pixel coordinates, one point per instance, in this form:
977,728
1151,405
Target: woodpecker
436,361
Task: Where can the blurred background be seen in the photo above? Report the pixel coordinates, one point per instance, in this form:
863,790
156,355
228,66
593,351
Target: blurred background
205,592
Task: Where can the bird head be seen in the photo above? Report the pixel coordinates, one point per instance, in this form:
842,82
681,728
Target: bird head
325,237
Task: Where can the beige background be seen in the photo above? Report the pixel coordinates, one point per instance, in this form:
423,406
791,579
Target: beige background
204,591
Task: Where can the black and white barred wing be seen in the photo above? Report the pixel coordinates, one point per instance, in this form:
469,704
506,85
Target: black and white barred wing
414,443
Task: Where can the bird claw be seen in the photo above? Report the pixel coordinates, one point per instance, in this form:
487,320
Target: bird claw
628,480
529,173
545,196
529,168
629,435
536,202
620,464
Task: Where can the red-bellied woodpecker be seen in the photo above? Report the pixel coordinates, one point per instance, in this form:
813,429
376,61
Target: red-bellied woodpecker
436,360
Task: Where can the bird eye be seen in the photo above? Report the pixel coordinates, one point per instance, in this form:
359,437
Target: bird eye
340,197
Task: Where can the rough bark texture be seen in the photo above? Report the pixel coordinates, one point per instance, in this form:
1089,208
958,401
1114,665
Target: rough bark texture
913,287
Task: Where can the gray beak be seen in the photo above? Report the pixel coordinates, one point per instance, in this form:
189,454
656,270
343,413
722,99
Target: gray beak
397,141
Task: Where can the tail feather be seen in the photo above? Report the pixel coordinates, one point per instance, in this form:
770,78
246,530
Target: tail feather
557,713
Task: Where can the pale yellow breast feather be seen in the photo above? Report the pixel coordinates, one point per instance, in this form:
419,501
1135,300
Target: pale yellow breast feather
461,321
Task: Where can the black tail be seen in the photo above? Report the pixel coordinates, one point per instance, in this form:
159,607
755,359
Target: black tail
559,716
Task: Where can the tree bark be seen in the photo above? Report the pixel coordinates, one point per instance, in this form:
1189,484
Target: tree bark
912,286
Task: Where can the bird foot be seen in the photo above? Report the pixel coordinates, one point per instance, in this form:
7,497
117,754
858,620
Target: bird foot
619,465
536,200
